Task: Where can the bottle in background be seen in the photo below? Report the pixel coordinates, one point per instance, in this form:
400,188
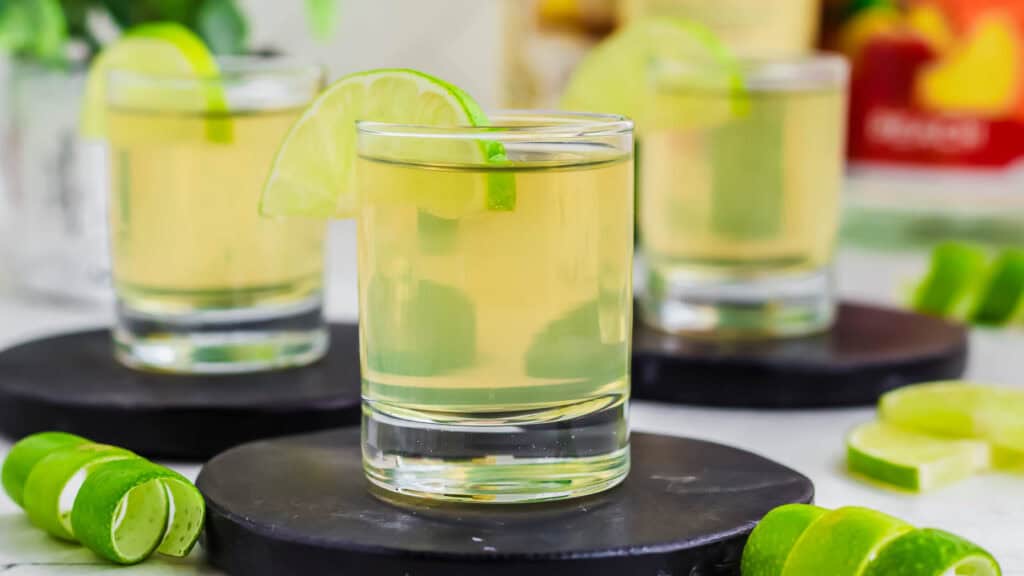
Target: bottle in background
936,120
753,28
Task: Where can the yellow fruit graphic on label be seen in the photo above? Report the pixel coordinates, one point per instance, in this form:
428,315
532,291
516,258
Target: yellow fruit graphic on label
980,76
929,22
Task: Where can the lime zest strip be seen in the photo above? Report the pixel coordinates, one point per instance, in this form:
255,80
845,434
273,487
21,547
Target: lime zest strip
119,505
26,453
774,536
930,552
844,540
121,510
52,476
804,540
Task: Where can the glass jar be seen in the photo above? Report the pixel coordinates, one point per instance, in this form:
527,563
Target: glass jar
54,242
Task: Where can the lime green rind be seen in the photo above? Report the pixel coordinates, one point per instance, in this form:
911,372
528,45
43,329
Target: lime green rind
186,523
804,540
773,538
955,274
122,509
912,461
842,542
930,552
125,507
1002,295
50,476
26,453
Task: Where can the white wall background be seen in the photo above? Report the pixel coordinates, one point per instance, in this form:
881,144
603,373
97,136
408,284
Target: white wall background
457,40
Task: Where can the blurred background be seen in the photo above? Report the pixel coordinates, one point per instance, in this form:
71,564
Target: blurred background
936,124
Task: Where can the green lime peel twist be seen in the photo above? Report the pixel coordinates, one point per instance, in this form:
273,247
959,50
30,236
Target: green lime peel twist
125,508
805,540
965,282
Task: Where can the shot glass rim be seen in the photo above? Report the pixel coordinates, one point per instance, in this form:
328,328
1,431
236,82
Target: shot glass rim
509,125
245,79
233,68
816,70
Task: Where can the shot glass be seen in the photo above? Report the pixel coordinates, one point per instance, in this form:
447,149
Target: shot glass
740,198
495,288
204,283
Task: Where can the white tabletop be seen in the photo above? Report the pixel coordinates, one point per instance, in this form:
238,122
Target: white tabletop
987,509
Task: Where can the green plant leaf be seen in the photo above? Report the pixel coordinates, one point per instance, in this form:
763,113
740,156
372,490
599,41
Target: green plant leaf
223,26
323,17
14,26
33,28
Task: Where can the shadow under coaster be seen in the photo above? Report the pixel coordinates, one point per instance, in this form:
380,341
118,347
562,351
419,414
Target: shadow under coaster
301,506
868,352
72,383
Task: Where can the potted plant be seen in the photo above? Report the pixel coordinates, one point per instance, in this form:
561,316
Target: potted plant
52,180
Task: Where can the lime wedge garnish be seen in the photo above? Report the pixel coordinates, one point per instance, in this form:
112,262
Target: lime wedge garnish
122,511
163,49
929,552
911,460
954,409
774,536
842,542
49,485
1003,293
956,271
626,71
26,453
313,172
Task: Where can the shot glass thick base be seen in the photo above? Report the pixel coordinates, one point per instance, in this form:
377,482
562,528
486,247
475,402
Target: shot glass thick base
720,306
483,461
221,341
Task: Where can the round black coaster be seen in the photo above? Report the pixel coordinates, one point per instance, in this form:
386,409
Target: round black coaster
868,352
301,505
72,383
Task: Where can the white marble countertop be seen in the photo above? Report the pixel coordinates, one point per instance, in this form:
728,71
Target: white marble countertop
987,509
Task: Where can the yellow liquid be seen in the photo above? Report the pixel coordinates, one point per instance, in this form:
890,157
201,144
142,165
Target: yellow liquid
494,312
185,229
748,192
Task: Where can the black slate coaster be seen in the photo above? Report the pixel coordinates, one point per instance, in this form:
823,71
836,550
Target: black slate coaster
301,506
868,352
72,383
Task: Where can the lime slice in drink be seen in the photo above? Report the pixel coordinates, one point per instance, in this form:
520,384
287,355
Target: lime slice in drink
953,409
121,512
25,454
51,485
626,73
956,272
842,542
163,49
911,460
929,552
772,540
1003,293
314,170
